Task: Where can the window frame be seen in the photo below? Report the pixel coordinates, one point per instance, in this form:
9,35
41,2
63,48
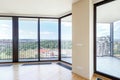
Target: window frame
15,36
60,37
94,39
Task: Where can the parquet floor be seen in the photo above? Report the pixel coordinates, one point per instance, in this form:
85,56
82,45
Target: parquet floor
38,72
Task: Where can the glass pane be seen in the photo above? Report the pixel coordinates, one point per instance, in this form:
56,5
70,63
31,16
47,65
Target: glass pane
28,41
66,39
5,39
103,39
108,39
117,39
48,39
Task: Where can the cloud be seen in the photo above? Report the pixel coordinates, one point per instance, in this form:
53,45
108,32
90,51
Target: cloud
103,30
66,37
46,33
33,35
49,35
5,31
23,34
5,27
67,24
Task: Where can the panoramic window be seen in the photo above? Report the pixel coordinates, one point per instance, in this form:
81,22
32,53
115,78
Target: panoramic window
108,39
37,41
48,39
28,39
6,39
66,39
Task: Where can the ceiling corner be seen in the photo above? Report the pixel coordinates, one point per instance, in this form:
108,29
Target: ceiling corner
96,1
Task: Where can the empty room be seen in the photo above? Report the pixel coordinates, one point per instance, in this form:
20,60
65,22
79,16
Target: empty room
59,40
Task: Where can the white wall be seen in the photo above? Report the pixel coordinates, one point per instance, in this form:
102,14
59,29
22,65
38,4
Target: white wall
82,47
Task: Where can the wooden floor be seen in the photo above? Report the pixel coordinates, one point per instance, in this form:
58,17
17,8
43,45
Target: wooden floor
39,72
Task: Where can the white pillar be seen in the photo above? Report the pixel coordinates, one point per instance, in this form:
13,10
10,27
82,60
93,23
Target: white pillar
82,18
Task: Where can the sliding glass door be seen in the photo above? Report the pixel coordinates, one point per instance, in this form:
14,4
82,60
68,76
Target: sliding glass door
107,39
48,39
28,39
29,47
6,39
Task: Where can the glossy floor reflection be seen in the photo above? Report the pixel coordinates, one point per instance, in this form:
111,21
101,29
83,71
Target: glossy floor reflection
35,72
109,65
39,72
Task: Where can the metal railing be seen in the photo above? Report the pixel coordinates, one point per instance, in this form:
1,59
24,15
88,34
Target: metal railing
5,49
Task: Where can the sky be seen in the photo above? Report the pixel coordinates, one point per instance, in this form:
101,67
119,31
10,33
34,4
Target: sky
103,29
49,29
28,30
5,29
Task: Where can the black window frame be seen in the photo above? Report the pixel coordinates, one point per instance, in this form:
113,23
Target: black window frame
15,36
58,37
70,14
94,39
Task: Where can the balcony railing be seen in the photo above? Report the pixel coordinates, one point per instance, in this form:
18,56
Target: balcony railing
5,49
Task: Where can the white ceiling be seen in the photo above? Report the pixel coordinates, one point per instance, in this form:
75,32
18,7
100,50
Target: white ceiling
96,1
53,8
109,12
46,8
